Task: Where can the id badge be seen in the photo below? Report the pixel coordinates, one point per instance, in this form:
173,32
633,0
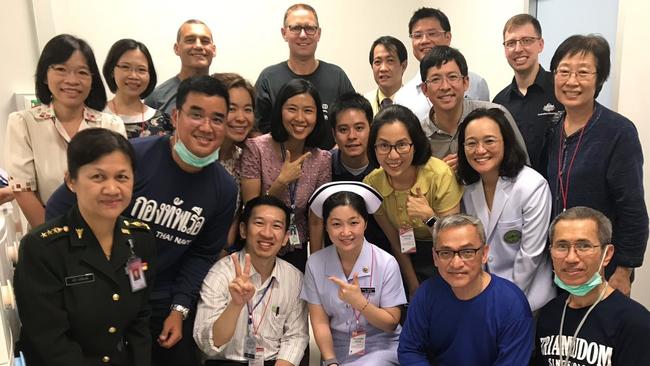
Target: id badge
407,239
358,341
294,237
259,357
250,347
135,271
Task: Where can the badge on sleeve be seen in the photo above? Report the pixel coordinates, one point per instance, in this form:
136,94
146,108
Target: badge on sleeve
407,239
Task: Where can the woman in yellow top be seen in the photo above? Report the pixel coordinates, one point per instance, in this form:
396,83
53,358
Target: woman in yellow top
416,187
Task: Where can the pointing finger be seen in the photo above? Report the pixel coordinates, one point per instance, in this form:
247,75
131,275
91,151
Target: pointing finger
304,156
337,281
355,280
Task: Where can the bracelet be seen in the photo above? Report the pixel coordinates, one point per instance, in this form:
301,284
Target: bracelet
364,307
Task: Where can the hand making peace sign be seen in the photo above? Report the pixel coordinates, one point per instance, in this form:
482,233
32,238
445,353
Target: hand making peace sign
241,288
291,170
350,293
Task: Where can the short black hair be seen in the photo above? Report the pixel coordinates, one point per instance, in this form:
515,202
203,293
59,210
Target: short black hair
521,20
514,156
440,55
585,44
349,100
91,144
118,49
264,200
57,51
424,13
392,44
203,84
290,89
343,198
399,114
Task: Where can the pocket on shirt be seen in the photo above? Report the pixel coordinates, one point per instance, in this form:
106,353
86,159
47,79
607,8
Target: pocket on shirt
273,326
510,231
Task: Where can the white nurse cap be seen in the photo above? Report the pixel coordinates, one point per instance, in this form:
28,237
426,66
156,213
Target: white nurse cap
372,198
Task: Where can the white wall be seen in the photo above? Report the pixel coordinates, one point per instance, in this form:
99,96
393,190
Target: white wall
247,35
631,69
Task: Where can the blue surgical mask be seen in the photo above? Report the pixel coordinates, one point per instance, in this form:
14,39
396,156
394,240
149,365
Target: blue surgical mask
190,159
582,290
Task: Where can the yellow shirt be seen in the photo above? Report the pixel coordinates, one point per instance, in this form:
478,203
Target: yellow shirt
436,182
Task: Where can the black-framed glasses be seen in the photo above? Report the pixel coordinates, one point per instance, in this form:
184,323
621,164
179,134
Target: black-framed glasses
524,42
464,254
310,30
561,250
198,118
400,147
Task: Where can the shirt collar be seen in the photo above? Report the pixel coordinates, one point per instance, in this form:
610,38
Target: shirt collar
45,112
254,274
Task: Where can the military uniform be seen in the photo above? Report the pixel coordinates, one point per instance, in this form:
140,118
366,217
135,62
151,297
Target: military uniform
76,305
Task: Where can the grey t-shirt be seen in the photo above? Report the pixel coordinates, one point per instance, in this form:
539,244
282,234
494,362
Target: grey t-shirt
163,98
329,79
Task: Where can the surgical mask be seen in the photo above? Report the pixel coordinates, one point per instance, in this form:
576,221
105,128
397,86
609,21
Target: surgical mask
582,290
191,159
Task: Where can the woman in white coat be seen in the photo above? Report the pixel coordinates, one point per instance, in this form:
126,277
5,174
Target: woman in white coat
512,200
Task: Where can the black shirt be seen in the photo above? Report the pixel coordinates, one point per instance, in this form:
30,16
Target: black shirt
616,332
534,113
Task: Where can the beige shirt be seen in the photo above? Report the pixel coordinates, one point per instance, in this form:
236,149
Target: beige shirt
36,144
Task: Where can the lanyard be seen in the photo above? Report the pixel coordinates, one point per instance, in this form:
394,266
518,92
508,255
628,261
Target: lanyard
564,190
293,186
357,314
251,321
582,322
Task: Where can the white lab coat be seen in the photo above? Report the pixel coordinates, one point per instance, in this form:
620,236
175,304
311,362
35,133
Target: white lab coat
516,230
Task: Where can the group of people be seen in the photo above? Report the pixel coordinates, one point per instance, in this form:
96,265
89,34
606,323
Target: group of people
210,222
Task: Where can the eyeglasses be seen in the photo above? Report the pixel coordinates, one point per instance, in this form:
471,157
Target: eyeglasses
488,143
581,75
310,30
524,42
561,250
432,34
198,118
452,79
400,147
63,71
139,70
463,254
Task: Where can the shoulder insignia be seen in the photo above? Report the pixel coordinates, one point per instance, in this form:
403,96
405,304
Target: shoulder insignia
126,231
137,225
53,232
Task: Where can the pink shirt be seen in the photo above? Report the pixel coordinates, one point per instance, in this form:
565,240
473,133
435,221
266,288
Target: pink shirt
259,161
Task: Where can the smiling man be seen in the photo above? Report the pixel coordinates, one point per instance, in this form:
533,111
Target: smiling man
196,49
444,76
275,320
302,32
591,323
530,97
388,59
428,29
188,200
465,316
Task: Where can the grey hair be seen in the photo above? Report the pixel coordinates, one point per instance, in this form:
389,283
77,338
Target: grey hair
585,213
458,220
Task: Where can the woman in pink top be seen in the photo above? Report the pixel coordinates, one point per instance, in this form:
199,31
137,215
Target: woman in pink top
287,164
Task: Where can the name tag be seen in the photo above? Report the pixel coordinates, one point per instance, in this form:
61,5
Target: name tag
80,279
367,290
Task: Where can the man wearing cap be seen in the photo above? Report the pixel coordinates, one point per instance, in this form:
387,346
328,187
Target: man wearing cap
591,323
272,329
465,316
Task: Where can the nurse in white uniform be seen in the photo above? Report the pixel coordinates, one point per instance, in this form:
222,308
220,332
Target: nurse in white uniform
353,288
512,200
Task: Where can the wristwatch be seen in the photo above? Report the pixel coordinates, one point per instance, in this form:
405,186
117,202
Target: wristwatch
431,221
181,309
330,361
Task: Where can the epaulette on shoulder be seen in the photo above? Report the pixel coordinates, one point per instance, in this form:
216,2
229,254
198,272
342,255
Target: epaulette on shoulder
53,232
137,225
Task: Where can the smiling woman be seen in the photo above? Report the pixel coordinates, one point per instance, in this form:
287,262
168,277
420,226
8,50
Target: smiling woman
71,90
287,164
77,306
